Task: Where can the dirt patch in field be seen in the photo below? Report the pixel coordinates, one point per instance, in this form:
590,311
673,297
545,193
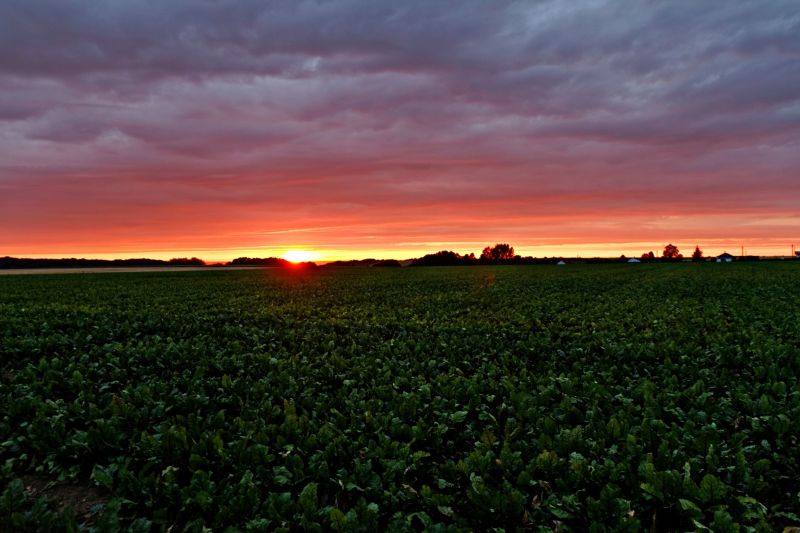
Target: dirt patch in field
82,498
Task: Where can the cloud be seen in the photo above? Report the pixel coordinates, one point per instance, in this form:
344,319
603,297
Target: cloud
321,109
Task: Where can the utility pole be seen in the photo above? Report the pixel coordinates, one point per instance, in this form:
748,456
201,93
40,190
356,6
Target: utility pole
743,250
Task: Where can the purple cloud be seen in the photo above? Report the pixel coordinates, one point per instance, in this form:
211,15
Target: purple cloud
248,107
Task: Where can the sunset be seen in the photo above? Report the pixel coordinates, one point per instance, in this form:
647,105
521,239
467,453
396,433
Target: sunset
380,129
298,256
405,266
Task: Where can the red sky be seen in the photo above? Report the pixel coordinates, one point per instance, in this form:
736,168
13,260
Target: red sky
383,129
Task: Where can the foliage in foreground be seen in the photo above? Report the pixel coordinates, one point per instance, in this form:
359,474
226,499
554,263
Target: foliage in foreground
597,398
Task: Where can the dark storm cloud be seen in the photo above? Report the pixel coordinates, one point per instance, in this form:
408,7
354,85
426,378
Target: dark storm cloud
378,104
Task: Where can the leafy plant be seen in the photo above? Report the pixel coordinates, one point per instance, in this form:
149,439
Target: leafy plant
588,399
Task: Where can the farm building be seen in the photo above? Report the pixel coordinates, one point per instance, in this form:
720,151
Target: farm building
633,260
724,258
561,263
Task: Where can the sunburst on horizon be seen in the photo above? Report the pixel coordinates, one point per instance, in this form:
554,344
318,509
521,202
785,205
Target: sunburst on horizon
299,256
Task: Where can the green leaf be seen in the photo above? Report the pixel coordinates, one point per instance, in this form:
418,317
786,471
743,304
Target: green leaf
338,519
458,416
282,476
103,477
560,513
445,510
693,510
308,498
652,490
711,489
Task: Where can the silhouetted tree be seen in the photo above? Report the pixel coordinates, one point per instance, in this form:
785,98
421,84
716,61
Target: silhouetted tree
260,261
697,255
444,258
351,263
498,252
671,252
387,263
185,261
72,262
648,256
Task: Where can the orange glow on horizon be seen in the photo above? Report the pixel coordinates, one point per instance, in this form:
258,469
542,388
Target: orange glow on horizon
325,253
394,235
299,256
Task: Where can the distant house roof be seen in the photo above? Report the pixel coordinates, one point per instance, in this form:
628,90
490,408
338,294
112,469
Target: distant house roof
633,260
561,263
725,255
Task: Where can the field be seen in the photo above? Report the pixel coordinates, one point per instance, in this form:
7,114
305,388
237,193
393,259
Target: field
578,398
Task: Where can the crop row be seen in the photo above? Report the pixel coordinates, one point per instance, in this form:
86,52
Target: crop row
596,398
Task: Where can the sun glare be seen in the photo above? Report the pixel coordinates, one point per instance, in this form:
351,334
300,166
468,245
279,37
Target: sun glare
299,256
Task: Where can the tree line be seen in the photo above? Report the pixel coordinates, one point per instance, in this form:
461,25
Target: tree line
498,254
503,254
671,253
75,262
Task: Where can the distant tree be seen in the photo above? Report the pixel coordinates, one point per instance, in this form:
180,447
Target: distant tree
186,261
498,252
648,256
260,261
671,252
352,263
386,263
72,262
443,258
503,251
697,255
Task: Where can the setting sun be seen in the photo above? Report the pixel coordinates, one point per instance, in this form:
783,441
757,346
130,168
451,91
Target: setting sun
299,256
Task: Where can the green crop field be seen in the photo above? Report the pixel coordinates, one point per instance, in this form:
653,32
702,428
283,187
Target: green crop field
577,398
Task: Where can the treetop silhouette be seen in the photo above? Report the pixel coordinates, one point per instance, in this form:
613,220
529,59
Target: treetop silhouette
498,252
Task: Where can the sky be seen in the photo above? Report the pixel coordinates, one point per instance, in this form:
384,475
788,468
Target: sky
391,129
